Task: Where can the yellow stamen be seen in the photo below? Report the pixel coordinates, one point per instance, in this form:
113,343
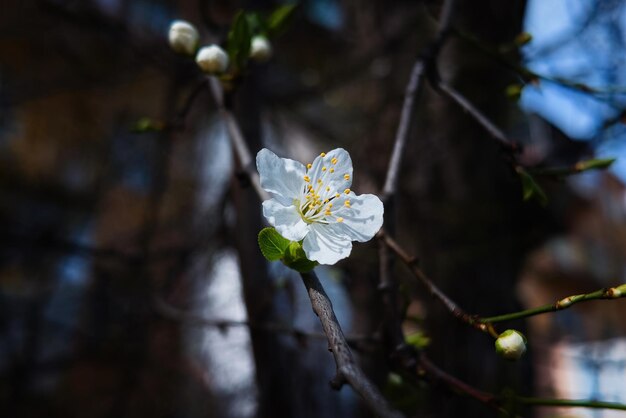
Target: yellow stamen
346,176
323,168
347,191
334,161
307,179
328,188
332,170
330,205
340,219
319,181
323,155
308,166
337,195
347,203
327,213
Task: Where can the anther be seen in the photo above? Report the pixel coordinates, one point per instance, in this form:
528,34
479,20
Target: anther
323,168
323,155
347,191
307,179
332,170
340,219
334,161
346,176
308,166
328,188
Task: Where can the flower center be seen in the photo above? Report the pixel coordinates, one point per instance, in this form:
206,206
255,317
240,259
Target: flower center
318,196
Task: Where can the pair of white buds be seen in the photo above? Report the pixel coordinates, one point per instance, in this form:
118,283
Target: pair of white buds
184,39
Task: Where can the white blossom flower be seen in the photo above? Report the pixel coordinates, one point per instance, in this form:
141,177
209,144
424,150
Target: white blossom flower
314,203
183,37
260,48
212,59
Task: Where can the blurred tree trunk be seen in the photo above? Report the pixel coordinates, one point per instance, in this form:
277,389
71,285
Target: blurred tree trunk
470,220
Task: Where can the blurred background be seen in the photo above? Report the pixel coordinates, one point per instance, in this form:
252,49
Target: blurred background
131,284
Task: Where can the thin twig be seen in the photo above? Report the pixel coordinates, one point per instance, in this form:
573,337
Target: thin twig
616,292
237,139
570,403
347,369
448,303
412,89
434,372
401,353
483,120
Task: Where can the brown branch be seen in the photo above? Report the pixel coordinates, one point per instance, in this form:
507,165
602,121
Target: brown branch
400,352
413,87
347,369
448,303
428,368
236,138
507,143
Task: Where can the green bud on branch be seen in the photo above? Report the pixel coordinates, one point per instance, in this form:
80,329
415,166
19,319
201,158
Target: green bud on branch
511,344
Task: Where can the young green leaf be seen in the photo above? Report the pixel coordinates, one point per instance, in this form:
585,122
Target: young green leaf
272,244
530,188
295,258
238,45
597,163
279,19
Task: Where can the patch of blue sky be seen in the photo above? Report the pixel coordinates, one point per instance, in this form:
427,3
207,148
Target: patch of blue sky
561,49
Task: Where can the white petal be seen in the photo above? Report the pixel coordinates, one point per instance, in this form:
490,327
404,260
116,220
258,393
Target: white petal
285,219
323,245
281,177
362,220
341,176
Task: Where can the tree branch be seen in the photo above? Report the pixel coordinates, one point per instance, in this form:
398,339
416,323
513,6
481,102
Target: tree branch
483,120
347,369
448,303
236,137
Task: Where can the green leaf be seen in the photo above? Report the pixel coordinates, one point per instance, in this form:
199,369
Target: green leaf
238,45
295,258
597,163
417,340
514,91
279,19
530,188
272,244
256,23
523,38
145,125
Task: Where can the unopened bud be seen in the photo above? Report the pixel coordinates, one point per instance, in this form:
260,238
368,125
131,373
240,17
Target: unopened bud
212,59
511,344
183,37
260,49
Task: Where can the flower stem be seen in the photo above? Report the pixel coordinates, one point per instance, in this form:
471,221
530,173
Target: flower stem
606,293
570,403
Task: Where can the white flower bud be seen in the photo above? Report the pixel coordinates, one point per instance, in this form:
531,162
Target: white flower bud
212,59
511,344
260,48
183,37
